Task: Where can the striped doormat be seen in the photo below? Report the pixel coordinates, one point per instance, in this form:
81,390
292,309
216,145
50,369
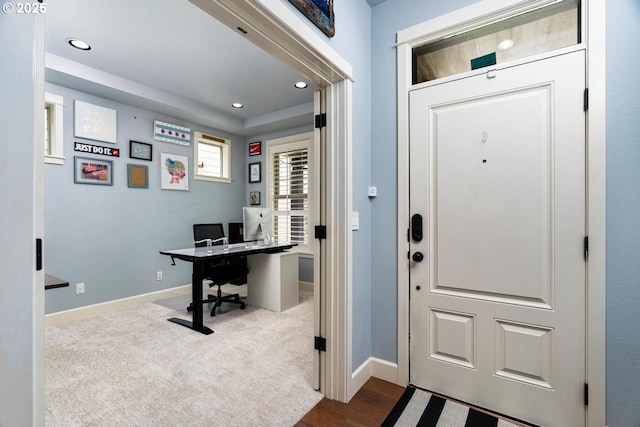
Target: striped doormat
417,407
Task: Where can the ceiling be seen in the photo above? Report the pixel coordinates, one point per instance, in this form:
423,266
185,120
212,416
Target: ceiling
172,58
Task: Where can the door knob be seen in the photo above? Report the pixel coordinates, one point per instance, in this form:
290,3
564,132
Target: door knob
418,257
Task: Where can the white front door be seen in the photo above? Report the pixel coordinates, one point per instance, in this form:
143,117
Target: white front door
497,178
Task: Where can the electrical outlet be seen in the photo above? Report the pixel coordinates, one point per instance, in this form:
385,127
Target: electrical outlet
159,275
79,288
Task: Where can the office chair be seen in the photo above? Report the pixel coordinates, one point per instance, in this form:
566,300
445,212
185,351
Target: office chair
219,271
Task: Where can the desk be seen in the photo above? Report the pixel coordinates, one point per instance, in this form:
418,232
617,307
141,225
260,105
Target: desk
52,282
273,281
199,257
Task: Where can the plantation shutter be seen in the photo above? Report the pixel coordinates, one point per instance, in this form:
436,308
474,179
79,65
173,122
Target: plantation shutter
290,196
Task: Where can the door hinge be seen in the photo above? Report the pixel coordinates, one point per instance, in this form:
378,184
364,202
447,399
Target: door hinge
585,101
586,247
321,232
586,395
320,343
38,254
321,120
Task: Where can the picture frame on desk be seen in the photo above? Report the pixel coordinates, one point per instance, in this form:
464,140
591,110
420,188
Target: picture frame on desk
255,173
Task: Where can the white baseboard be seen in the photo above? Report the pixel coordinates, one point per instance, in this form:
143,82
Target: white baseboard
67,316
373,367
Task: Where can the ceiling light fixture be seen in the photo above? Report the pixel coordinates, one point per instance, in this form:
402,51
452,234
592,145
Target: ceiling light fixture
505,44
237,105
300,85
79,44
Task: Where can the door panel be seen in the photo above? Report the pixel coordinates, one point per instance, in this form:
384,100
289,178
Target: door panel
498,175
472,221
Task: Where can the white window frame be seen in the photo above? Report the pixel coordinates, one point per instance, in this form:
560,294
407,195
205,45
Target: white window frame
224,144
56,129
291,143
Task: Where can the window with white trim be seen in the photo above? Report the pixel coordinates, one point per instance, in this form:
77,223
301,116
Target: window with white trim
289,189
53,129
211,158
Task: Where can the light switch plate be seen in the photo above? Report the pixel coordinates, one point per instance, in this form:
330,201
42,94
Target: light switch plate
355,221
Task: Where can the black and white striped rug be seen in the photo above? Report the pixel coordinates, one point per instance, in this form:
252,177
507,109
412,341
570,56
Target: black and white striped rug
417,407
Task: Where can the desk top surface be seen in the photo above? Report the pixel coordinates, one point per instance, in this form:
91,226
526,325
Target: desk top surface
218,251
52,282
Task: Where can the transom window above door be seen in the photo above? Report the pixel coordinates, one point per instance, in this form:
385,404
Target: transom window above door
549,28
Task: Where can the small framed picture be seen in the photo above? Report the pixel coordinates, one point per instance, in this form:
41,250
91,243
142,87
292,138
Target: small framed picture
255,148
92,171
140,150
137,176
254,197
255,174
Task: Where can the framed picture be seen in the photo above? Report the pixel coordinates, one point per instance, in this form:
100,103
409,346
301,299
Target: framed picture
171,133
320,12
254,173
137,176
254,197
92,171
94,122
174,172
140,150
255,148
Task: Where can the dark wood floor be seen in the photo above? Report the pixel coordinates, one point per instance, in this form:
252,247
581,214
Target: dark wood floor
369,407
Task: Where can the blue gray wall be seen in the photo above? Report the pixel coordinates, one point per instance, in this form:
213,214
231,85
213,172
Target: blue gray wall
623,213
623,191
387,19
108,237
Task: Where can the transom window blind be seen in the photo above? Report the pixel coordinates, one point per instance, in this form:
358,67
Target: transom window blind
290,196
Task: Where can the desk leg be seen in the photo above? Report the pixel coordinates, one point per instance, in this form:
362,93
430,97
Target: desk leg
196,297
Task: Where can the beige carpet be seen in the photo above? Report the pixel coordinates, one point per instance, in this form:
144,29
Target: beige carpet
134,368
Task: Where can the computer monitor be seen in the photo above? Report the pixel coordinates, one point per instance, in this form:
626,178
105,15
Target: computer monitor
257,224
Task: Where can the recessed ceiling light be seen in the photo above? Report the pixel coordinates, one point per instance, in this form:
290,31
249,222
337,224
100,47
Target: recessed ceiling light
79,44
300,85
505,44
237,105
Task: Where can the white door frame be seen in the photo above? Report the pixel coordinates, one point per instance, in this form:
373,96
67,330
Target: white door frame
275,28
594,28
